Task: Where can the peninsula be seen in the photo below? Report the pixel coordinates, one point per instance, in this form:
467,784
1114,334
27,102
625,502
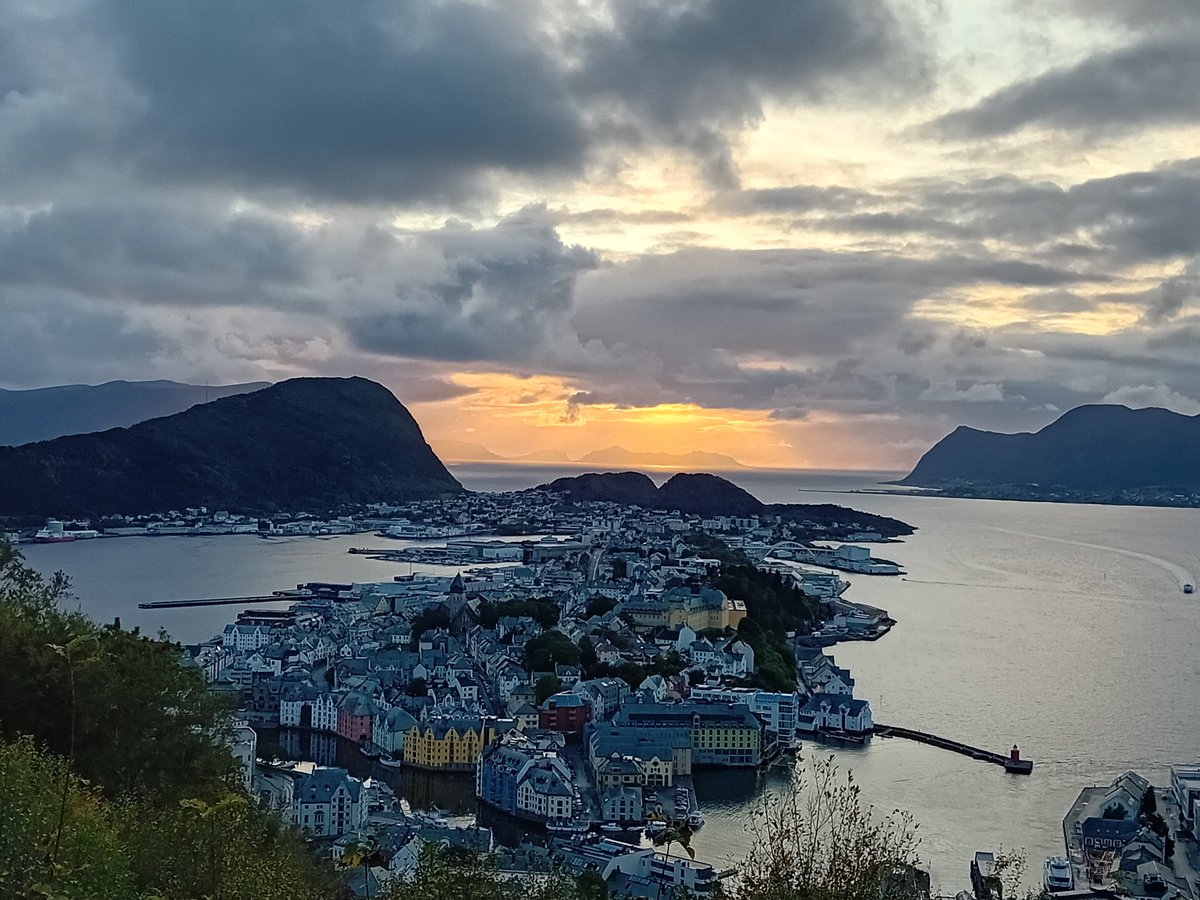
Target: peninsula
1091,454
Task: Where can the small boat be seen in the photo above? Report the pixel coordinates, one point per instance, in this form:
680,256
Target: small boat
390,761
573,826
695,820
984,879
1189,588
612,827
655,827
1058,875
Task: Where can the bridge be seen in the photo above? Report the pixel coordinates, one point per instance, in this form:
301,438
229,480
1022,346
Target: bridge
1011,763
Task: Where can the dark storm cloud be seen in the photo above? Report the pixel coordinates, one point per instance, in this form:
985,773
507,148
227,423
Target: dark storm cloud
685,72
412,102
155,254
488,295
1097,225
1147,82
356,101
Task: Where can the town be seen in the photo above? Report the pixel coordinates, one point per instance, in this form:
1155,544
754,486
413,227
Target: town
578,673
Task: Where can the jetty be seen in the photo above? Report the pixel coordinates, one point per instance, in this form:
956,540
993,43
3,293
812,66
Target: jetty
1012,763
279,597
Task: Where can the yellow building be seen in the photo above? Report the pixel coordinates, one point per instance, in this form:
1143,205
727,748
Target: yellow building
450,744
706,608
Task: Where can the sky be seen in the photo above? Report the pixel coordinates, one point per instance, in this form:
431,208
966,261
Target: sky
802,233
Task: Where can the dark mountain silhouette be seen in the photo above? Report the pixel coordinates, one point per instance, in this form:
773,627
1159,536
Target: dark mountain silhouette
1090,448
308,443
43,414
711,495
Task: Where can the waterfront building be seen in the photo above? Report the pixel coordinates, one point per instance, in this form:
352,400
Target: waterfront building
722,734
835,712
391,728
452,744
621,804
1185,787
356,717
778,711
328,803
662,754
307,706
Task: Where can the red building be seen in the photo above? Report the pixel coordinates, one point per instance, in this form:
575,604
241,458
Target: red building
565,712
355,716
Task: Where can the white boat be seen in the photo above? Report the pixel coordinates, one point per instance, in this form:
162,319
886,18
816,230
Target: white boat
612,827
1058,875
695,820
655,827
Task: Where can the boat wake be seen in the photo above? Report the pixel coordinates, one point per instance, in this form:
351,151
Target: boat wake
1182,575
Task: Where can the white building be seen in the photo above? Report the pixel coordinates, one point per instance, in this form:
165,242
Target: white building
328,803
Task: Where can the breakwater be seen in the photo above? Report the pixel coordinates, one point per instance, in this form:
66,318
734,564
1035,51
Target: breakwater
1011,763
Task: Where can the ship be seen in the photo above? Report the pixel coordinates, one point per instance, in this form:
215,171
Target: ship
985,880
1058,875
53,533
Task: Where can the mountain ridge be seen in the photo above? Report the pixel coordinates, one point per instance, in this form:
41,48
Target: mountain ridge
1096,447
303,443
42,414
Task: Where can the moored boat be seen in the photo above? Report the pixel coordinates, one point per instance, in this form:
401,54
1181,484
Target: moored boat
1058,875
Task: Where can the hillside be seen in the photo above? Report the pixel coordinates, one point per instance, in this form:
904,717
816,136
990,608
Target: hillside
307,443
711,495
1090,448
43,414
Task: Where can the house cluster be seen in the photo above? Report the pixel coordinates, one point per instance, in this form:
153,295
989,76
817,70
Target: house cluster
831,707
1118,835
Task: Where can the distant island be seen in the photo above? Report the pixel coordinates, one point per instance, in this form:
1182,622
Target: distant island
710,495
1091,454
307,443
42,414
609,457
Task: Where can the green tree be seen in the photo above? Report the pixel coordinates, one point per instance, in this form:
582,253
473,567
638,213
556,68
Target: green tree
547,686
1115,811
87,859
548,649
818,841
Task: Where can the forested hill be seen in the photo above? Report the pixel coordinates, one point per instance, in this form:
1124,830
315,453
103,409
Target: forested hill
307,443
711,495
1090,448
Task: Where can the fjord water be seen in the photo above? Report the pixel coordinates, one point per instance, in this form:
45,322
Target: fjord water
1059,627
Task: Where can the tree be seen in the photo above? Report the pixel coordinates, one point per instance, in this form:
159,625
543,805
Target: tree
89,861
549,649
817,841
1149,803
547,686
119,705
1115,811
598,606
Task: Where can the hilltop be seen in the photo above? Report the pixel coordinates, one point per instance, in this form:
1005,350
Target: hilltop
42,414
710,495
306,443
1094,449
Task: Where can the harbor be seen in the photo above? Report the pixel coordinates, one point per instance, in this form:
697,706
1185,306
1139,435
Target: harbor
1012,763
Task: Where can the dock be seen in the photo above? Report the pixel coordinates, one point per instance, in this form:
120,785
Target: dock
1011,763
279,597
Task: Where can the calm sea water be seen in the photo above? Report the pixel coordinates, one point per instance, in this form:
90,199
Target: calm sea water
1059,627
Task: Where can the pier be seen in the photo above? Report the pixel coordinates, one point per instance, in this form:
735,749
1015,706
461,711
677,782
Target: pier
281,597
1011,763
